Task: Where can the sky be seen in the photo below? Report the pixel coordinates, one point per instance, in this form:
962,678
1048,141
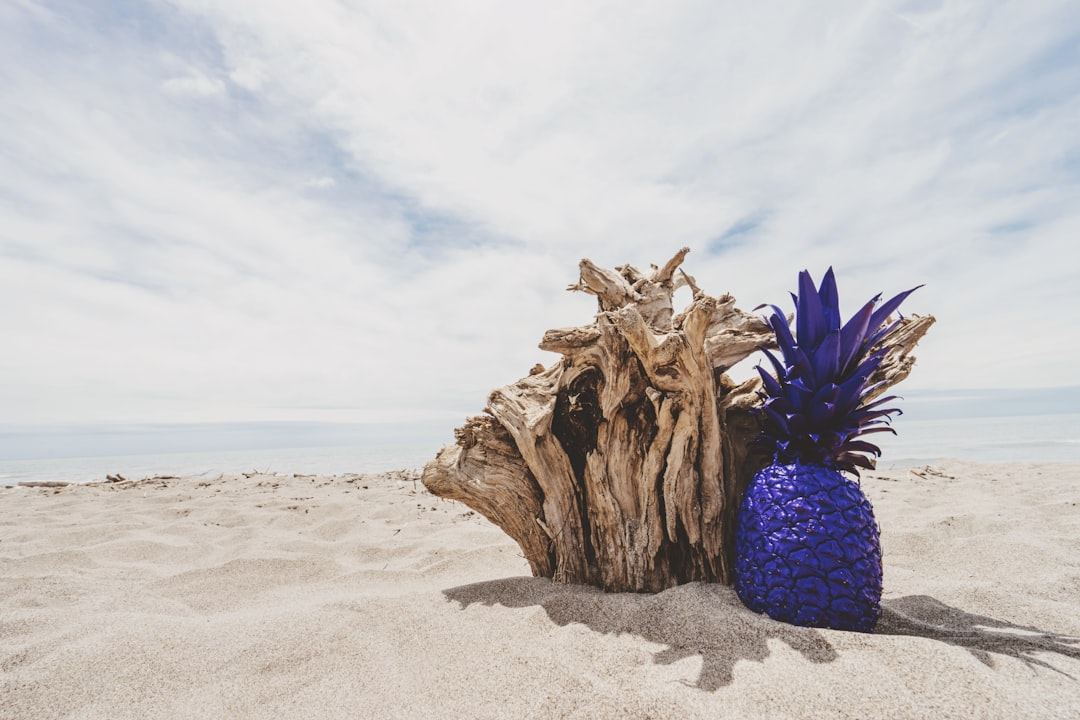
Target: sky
330,211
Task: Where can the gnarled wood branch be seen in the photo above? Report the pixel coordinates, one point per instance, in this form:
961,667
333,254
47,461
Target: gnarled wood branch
622,464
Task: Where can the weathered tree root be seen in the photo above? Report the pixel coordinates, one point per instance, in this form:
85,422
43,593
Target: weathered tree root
621,465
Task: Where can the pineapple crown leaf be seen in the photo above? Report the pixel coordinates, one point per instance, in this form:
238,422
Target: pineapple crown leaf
814,405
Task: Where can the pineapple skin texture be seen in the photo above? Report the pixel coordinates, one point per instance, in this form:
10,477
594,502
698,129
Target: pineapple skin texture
808,550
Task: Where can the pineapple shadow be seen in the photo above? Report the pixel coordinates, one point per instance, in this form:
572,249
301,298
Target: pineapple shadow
982,636
696,619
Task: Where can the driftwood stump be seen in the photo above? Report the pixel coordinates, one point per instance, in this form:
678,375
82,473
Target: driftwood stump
622,464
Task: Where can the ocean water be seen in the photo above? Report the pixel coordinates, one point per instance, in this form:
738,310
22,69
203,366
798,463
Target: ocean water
306,461
88,453
1031,438
1017,438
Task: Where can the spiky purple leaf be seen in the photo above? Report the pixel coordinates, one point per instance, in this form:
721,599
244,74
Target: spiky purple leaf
809,315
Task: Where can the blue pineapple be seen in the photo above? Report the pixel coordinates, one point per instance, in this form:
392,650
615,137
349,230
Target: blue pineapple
806,542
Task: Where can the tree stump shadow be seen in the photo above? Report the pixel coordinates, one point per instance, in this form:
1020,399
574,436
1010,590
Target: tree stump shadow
709,620
982,636
693,619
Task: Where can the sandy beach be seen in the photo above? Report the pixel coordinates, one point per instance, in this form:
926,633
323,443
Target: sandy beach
363,596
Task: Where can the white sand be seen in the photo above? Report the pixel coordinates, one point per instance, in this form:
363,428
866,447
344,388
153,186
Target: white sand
366,597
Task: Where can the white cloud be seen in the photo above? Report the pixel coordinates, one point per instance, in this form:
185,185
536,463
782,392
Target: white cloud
377,214
248,75
195,85
320,182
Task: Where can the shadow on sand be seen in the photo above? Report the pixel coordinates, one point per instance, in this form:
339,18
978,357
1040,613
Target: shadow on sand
689,620
983,637
710,621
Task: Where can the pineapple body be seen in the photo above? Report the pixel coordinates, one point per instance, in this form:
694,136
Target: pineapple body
807,549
